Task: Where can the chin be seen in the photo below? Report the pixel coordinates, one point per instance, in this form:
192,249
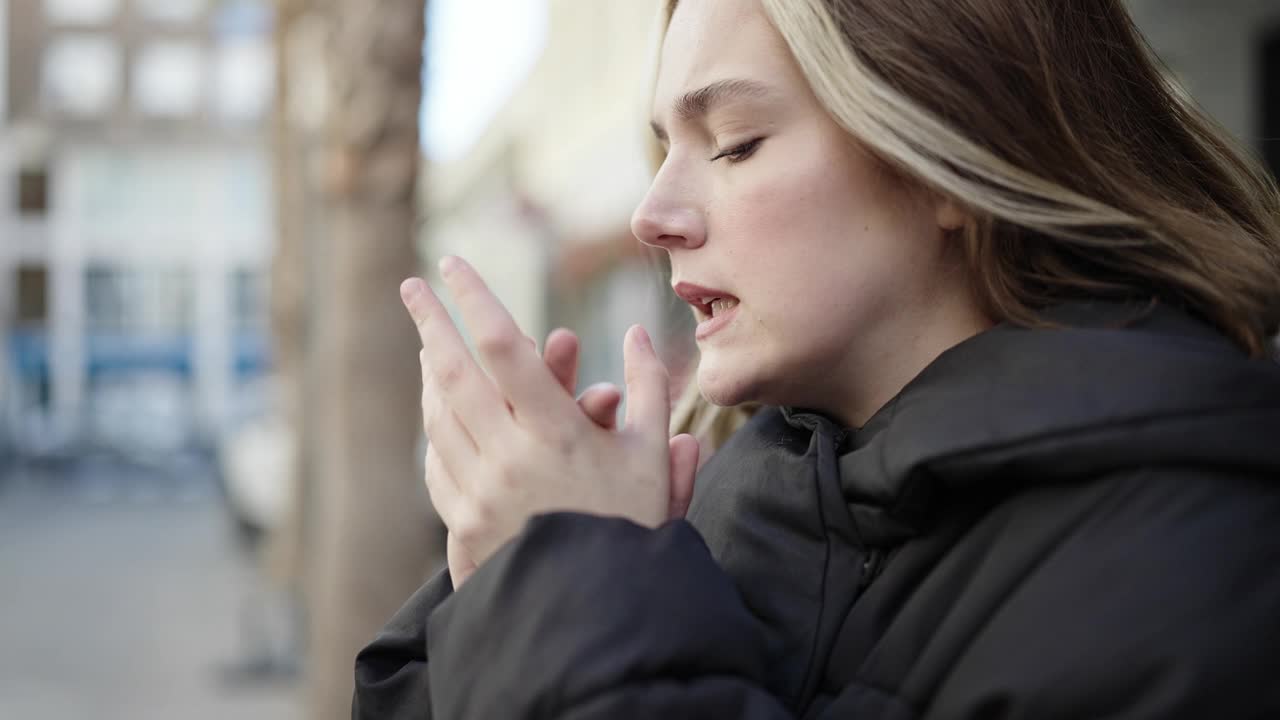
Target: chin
725,388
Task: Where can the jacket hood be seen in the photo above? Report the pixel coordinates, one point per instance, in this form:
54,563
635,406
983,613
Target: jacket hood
1115,387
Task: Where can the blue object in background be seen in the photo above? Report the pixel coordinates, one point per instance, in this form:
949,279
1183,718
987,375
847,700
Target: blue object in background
115,352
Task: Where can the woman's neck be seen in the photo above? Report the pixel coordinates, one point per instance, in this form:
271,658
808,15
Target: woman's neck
905,349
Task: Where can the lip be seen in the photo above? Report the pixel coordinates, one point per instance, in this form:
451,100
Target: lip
693,294
713,325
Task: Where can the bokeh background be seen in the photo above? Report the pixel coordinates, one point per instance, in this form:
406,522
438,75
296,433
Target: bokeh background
210,445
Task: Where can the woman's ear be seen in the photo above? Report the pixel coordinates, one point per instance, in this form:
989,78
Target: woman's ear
948,214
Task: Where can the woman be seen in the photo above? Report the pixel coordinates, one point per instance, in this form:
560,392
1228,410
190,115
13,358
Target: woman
1006,299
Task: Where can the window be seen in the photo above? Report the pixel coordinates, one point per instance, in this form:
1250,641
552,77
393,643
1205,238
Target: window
81,74
168,301
80,12
33,295
168,78
138,301
33,191
105,291
249,300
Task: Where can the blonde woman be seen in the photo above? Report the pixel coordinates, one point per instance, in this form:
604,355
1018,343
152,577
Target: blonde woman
1005,299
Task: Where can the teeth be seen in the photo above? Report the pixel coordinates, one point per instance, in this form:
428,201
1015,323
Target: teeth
707,299
720,305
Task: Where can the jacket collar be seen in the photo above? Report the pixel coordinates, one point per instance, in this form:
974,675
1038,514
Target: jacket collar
1116,386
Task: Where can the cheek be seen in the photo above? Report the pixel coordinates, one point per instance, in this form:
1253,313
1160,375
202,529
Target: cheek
825,246
786,218
804,233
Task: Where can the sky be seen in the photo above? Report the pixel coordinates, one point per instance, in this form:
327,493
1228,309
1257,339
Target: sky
478,52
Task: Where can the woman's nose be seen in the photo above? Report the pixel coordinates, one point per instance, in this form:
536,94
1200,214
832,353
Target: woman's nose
663,221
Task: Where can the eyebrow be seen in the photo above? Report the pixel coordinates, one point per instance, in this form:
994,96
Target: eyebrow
697,103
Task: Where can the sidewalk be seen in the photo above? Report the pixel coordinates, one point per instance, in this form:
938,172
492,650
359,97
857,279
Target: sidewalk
120,599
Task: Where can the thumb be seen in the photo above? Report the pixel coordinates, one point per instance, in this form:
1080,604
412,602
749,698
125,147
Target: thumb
648,398
684,466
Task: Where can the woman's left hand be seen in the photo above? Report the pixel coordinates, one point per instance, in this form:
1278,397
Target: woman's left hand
512,442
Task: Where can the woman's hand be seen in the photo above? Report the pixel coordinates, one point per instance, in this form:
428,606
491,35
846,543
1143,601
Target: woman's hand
513,443
598,402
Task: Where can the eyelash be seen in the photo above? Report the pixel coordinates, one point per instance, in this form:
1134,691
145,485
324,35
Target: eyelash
741,152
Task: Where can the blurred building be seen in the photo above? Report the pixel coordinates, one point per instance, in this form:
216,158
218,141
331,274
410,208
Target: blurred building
135,210
542,202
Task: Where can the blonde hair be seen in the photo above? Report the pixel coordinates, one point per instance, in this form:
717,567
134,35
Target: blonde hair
1085,172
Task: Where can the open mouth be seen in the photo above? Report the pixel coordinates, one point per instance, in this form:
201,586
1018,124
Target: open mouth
710,307
714,308
708,302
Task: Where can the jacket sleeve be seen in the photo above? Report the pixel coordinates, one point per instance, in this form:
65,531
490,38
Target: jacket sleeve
391,673
584,617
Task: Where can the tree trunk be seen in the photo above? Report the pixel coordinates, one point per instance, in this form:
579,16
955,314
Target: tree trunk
289,302
373,538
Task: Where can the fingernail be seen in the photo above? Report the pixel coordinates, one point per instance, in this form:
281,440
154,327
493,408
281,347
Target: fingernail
447,265
410,288
641,338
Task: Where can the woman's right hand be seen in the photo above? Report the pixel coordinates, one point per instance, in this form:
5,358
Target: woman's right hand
599,402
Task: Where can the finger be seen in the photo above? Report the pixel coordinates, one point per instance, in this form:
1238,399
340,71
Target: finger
533,344
519,374
600,403
446,435
447,365
560,353
426,310
648,402
445,495
684,467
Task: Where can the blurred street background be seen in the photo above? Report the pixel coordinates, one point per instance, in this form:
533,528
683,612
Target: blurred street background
210,442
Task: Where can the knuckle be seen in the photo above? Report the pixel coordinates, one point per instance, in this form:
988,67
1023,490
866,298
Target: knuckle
450,374
471,522
466,527
431,412
502,480
498,343
437,483
564,438
510,477
533,444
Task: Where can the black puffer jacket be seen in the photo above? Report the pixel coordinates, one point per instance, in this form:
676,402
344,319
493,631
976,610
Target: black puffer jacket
1071,523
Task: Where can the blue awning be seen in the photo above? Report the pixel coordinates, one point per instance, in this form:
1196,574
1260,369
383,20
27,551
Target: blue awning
116,352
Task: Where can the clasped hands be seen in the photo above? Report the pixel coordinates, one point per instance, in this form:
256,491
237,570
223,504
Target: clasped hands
507,439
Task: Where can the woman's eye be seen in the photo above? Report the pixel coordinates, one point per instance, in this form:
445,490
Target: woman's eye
738,153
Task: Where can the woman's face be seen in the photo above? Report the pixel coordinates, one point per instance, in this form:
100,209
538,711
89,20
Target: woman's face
831,272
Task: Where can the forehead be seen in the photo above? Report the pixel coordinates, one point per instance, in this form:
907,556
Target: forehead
712,40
